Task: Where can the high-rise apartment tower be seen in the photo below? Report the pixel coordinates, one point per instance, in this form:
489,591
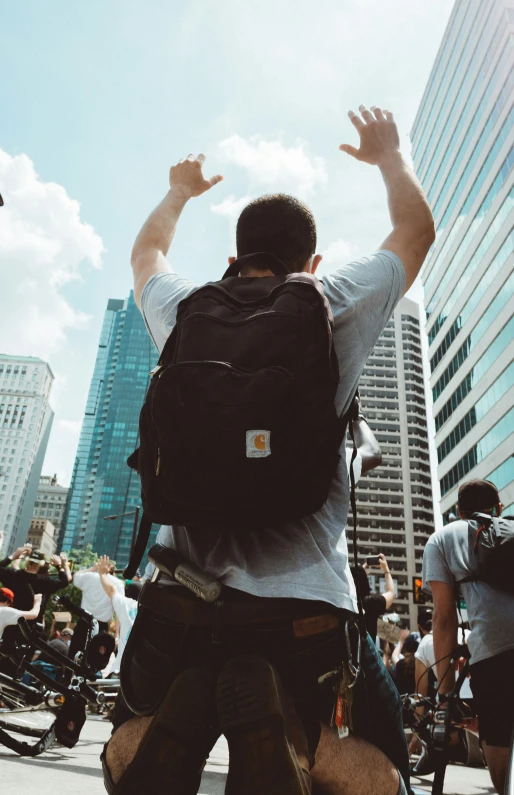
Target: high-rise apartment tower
102,484
394,501
463,148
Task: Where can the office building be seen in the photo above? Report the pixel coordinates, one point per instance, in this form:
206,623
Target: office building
463,139
102,484
50,501
394,501
42,536
25,423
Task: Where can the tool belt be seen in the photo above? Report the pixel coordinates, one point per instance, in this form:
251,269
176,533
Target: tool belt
240,609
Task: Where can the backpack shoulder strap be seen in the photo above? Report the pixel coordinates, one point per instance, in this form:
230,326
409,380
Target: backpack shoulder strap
137,553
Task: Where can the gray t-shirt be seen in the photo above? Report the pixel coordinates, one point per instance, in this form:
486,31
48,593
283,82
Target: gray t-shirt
306,559
449,556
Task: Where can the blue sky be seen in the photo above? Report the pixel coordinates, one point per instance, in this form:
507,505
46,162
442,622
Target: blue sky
99,99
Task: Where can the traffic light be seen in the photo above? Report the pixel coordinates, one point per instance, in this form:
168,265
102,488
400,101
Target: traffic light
417,585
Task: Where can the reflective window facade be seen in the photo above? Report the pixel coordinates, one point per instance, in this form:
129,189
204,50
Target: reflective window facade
102,483
500,343
474,299
463,144
488,400
487,444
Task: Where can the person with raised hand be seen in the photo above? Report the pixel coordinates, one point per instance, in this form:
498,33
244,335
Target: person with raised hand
293,574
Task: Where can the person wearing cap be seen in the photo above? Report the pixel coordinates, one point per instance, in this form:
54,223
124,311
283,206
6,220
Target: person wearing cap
9,615
448,559
28,581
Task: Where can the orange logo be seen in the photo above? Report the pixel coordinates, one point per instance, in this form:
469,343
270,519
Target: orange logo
258,444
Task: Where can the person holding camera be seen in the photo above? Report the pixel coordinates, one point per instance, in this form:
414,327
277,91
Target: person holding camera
375,604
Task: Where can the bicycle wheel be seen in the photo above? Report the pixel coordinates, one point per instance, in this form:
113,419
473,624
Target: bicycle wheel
24,711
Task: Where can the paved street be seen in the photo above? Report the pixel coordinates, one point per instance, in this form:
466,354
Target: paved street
78,771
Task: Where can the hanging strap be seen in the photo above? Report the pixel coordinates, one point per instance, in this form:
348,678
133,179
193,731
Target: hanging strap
353,503
136,556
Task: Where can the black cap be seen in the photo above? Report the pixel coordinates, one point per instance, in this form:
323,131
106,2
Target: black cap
36,556
478,495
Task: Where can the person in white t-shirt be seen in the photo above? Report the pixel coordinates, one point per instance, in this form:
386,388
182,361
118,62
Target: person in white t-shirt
9,615
293,561
125,607
94,598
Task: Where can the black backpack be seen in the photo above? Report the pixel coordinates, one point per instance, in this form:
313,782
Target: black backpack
239,429
493,542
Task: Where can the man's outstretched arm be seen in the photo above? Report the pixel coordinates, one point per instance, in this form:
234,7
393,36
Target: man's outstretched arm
413,225
153,241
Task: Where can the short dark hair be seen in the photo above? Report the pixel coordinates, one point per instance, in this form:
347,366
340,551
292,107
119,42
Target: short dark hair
425,618
411,644
478,496
280,225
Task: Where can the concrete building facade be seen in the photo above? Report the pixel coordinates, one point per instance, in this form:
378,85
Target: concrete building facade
394,501
463,148
102,484
42,536
25,423
50,501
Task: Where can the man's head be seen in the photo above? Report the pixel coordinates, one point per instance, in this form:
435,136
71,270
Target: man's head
410,645
35,562
66,635
425,621
280,225
478,496
6,597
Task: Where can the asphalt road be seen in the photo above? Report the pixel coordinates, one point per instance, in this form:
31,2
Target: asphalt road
77,771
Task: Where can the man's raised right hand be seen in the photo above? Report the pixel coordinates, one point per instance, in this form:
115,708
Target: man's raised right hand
378,135
187,177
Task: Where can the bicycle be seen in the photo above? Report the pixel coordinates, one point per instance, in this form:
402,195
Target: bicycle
49,709
435,727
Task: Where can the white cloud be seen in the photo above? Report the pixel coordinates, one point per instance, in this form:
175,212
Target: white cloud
71,427
272,166
43,246
231,207
335,255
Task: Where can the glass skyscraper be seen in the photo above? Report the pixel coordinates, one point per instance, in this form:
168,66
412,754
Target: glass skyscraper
102,484
463,149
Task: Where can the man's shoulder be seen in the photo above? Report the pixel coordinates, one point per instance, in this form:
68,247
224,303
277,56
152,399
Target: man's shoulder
427,640
10,613
450,536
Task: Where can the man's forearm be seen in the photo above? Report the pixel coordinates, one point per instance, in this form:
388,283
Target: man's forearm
159,228
408,206
445,643
108,587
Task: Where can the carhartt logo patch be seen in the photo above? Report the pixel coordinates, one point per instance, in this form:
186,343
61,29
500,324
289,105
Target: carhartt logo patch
258,444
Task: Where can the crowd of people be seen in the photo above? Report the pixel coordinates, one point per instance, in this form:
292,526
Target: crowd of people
26,579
